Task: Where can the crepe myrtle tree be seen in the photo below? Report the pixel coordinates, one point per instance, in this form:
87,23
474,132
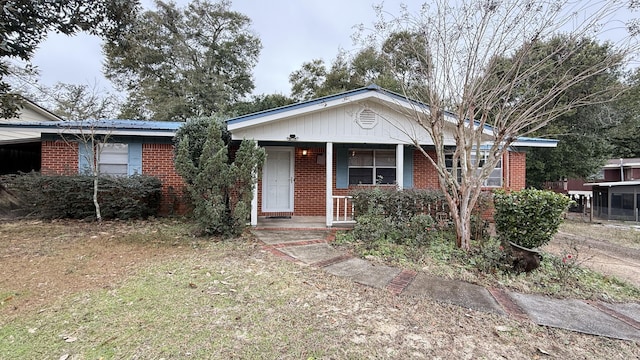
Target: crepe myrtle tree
465,85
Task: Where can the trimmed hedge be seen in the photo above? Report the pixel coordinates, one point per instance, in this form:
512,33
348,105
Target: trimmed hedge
398,206
529,217
58,196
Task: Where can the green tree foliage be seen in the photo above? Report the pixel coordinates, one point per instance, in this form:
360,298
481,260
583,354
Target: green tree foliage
25,24
625,137
259,103
396,63
529,217
221,188
584,145
180,63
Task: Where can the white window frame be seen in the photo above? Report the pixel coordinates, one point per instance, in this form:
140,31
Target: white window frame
495,175
117,155
374,166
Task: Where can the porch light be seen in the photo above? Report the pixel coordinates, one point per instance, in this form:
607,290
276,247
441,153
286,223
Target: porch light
304,152
292,137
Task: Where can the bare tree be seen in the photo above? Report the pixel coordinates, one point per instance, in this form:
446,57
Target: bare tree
466,85
90,137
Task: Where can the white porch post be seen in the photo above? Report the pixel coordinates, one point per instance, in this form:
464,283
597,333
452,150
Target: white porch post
254,199
254,206
399,166
329,183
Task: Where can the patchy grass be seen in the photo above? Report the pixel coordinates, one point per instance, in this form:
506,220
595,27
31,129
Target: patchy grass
624,234
151,290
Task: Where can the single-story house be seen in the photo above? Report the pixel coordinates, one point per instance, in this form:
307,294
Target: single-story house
134,147
317,152
616,190
20,148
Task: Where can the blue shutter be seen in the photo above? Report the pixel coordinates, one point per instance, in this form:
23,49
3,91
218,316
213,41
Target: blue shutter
85,156
408,168
135,159
342,167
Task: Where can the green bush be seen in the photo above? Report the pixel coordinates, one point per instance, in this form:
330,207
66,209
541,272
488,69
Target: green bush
219,181
528,217
400,217
58,196
399,206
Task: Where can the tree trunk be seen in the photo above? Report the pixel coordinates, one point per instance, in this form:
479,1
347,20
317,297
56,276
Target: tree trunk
95,197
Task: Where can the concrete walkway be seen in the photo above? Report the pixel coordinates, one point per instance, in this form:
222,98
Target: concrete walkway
310,246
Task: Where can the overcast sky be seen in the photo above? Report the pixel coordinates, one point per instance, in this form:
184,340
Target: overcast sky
292,32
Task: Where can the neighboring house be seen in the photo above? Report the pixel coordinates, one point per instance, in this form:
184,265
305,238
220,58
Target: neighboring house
133,147
317,152
20,148
616,192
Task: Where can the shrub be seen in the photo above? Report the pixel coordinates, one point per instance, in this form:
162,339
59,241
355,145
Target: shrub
528,217
219,183
58,196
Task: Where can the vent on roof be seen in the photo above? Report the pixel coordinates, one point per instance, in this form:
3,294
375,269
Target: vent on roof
367,119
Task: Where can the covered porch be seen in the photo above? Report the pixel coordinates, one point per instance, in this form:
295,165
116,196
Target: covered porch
311,181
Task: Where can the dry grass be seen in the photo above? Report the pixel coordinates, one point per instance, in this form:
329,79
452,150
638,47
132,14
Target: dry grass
146,290
625,234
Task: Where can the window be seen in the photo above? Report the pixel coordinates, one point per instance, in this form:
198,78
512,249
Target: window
114,159
369,167
495,177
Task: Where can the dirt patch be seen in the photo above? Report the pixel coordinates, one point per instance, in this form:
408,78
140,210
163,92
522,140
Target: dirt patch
599,255
40,267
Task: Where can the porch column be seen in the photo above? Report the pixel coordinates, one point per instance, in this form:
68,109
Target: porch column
329,183
254,206
399,166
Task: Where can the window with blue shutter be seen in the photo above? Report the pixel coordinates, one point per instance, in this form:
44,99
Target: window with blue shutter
116,159
408,168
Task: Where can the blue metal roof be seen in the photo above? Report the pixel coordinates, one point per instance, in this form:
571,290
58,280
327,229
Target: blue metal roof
134,125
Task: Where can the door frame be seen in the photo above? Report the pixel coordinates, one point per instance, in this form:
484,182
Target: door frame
265,172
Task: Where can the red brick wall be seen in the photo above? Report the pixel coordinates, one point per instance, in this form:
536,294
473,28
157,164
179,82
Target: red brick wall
309,192
59,157
157,160
516,171
310,180
425,175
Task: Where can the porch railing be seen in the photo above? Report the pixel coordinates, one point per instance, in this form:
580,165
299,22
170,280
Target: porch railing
343,210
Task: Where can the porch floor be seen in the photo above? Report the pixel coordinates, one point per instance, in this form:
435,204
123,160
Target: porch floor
297,222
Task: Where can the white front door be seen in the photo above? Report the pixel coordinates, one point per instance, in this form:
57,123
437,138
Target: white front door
277,180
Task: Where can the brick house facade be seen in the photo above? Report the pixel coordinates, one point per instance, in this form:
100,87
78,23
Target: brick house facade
318,151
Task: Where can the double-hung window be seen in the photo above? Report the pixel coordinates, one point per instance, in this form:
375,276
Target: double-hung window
372,166
495,177
113,159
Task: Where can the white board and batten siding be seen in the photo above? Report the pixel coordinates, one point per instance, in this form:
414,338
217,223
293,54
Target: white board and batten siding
340,124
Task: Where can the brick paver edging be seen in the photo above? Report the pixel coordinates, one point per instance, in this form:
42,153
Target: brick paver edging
279,253
615,314
507,304
297,243
401,281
